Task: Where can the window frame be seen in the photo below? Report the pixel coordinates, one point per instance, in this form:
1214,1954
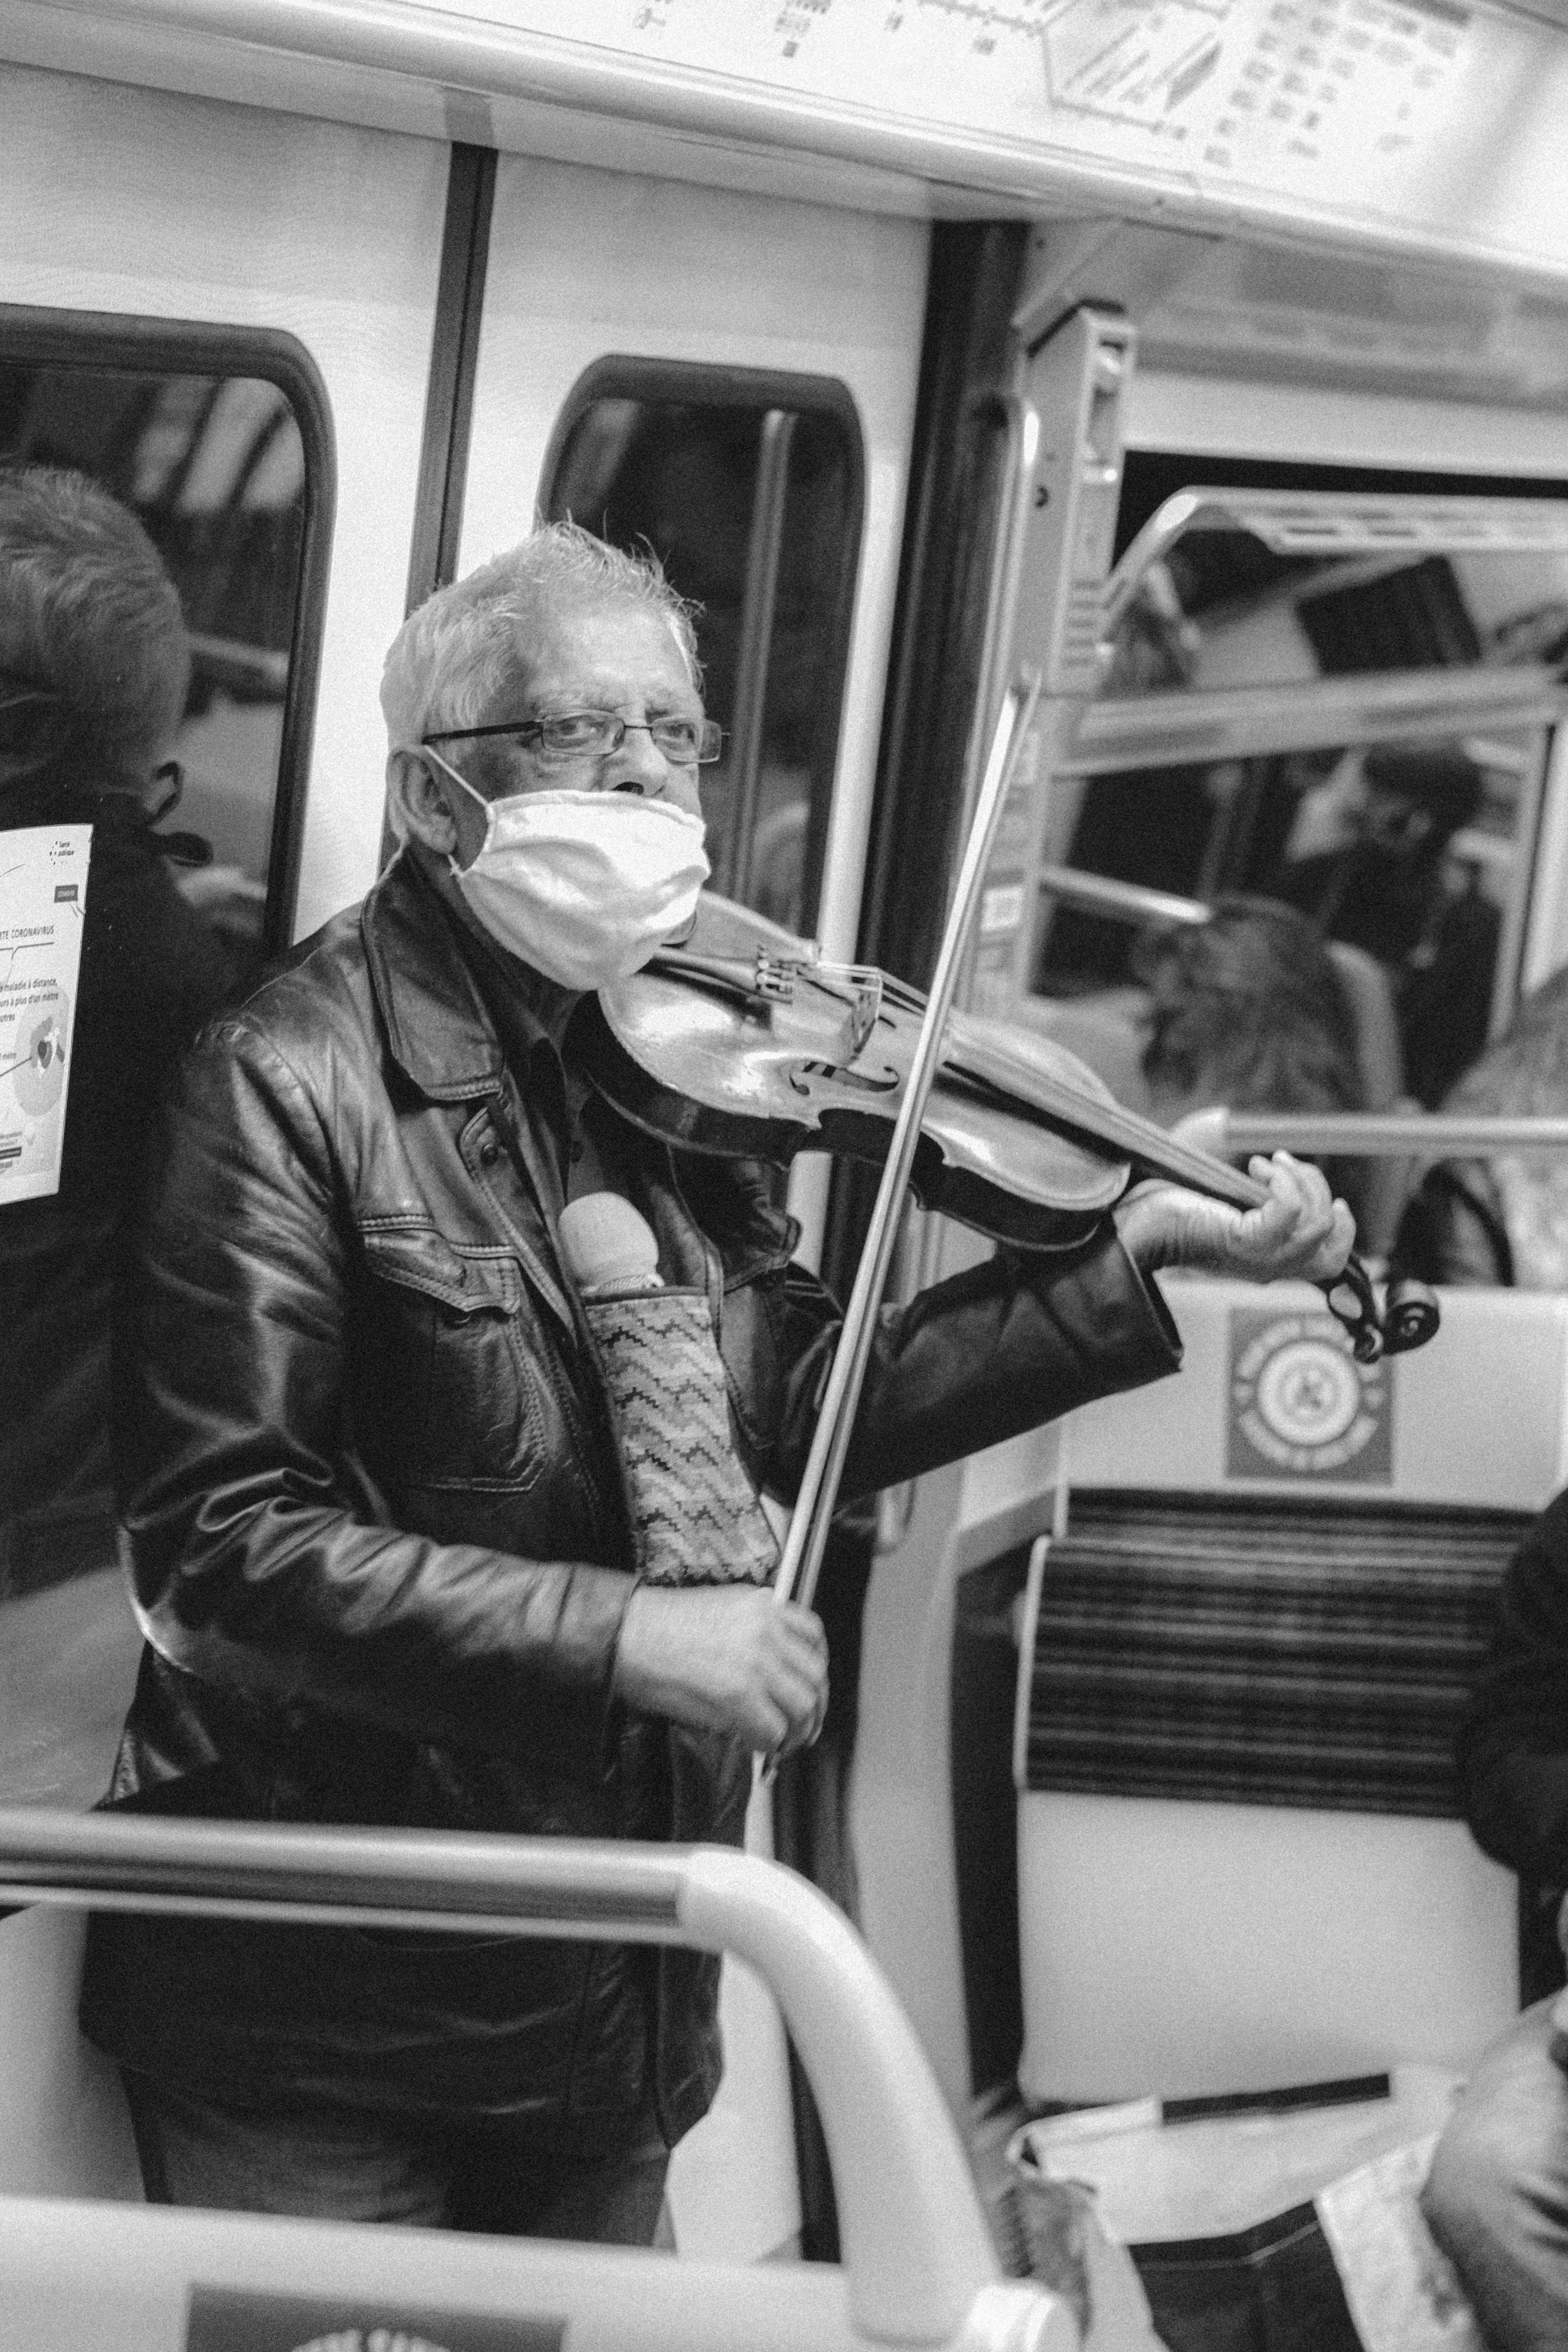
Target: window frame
126,343
757,392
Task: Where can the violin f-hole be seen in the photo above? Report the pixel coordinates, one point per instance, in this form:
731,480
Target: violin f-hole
804,1072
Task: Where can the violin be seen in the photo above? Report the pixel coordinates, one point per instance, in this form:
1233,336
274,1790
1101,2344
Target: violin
753,995
744,1042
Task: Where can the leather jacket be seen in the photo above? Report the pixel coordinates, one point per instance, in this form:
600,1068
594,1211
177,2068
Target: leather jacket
379,1537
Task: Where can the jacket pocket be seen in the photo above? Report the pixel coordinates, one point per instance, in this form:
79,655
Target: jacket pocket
457,1398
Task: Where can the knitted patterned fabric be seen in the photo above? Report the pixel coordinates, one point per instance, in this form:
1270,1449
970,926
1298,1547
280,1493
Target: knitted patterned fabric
695,1516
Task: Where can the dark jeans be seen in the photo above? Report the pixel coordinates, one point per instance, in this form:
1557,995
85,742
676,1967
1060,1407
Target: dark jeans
325,2164
1273,2288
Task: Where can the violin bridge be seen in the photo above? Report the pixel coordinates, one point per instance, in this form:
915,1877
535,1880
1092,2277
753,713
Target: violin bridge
858,987
865,1009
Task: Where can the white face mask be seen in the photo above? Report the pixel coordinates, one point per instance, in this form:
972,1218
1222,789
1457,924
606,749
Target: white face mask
583,886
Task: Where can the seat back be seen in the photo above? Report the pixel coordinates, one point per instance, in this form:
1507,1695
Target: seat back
65,2130
1370,997
1240,1858
1385,1184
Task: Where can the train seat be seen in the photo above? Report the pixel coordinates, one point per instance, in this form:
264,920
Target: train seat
1370,997
1241,1860
69,1652
64,2129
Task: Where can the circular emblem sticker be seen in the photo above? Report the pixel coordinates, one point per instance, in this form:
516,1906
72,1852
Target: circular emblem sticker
1300,1405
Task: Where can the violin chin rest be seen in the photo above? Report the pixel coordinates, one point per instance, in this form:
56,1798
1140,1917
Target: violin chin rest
722,927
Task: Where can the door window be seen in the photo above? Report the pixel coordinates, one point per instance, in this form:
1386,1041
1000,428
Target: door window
748,488
165,501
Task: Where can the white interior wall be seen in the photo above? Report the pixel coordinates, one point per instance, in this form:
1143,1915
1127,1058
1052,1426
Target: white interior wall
142,203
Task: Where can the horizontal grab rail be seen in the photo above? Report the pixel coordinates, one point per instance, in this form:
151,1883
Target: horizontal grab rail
335,1876
1424,1135
1199,725
1130,902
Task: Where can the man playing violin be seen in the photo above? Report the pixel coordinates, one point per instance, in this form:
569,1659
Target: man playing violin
403,1551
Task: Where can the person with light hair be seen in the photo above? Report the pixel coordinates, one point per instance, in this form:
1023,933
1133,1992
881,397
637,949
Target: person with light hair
452,1399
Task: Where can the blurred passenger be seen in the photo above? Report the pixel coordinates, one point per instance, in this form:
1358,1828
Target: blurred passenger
1498,2196
1503,1220
1247,1013
94,663
1369,866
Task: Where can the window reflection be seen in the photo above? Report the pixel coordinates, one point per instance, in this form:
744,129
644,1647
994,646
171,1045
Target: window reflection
1221,610
1440,572
214,469
753,509
152,527
1407,852
1243,620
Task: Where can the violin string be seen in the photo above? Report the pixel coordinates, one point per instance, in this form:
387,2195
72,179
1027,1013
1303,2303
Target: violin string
832,977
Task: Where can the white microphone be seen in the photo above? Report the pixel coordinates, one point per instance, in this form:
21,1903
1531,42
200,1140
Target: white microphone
610,1249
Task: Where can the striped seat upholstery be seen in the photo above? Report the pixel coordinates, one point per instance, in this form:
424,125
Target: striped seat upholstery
1253,1651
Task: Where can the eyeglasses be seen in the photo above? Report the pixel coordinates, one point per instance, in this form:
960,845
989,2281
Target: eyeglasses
168,780
595,734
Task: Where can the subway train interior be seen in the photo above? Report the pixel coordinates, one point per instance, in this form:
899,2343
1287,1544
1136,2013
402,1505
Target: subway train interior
1202,362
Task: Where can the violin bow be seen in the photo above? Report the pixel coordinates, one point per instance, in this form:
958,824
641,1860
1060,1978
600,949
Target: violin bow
806,1542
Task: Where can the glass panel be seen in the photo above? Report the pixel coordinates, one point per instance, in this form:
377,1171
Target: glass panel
751,509
805,658
1223,611
123,921
1408,854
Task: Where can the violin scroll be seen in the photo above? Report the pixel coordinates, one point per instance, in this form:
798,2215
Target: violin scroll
1411,1317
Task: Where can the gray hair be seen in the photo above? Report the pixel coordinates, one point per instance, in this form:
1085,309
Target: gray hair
448,659
89,617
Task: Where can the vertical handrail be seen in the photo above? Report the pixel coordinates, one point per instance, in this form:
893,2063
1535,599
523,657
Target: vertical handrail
763,549
807,1540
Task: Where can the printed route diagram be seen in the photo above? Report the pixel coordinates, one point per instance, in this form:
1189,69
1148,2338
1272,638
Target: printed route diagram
42,901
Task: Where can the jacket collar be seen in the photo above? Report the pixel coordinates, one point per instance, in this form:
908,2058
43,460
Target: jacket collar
440,1034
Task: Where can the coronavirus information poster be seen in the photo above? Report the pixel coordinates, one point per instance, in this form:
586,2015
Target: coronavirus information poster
43,903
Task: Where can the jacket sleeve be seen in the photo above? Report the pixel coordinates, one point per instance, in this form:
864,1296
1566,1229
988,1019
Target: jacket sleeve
258,1556
1513,1742
980,1358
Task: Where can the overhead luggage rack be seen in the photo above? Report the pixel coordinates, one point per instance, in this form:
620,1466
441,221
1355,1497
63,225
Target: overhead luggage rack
1259,1650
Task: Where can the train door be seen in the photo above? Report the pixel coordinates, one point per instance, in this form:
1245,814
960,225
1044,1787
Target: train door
733,377
222,317
732,380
